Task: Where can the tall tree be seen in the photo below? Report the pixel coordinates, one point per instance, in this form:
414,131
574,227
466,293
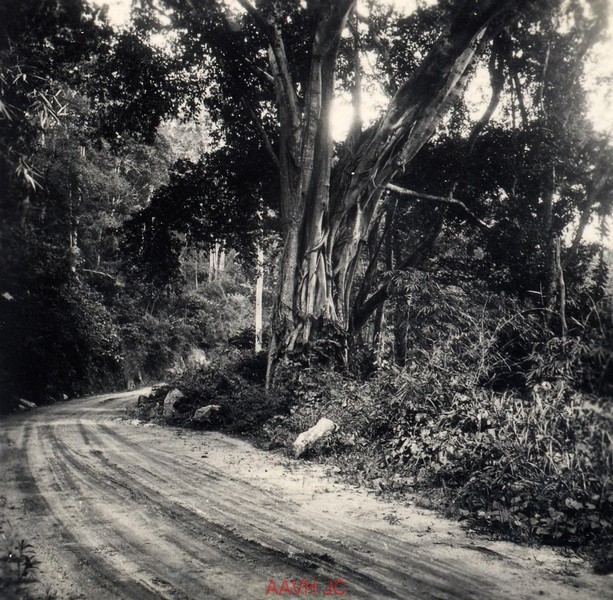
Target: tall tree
331,195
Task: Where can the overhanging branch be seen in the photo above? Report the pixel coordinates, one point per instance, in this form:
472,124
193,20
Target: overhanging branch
105,275
258,18
365,309
265,138
440,199
264,74
272,31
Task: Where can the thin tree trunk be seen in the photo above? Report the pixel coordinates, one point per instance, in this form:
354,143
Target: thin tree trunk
196,267
379,320
221,262
356,93
561,288
259,286
496,71
401,332
217,261
212,263
550,279
557,290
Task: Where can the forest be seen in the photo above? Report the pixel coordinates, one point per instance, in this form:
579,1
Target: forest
394,215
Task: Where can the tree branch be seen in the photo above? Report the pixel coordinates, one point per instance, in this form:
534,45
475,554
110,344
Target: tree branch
520,98
441,199
105,275
265,74
362,312
272,32
415,111
496,72
371,269
265,138
258,18
356,93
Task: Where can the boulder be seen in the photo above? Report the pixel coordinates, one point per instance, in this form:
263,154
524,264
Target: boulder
323,428
202,415
170,401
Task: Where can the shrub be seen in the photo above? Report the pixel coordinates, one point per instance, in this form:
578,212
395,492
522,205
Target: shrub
235,382
584,359
536,467
58,340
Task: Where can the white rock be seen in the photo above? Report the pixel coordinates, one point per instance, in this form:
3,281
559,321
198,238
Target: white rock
197,357
323,428
169,403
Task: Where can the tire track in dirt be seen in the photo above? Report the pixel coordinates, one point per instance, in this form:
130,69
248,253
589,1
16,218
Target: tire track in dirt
122,538
417,573
263,552
106,580
312,558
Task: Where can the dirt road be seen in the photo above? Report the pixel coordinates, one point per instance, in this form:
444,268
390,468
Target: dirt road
115,509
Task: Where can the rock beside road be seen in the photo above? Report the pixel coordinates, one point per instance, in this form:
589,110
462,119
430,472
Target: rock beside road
323,428
169,411
26,404
204,414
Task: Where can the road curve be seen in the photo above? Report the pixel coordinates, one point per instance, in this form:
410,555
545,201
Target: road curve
115,509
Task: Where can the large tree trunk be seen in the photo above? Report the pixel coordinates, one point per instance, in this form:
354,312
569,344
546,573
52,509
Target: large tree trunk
305,296
327,214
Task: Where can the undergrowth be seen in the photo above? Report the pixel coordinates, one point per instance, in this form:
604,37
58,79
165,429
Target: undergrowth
234,383
531,462
17,561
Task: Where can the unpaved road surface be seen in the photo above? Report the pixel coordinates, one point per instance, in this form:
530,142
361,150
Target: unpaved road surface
118,510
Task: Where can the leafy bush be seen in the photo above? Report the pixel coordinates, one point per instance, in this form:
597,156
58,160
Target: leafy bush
584,359
313,393
536,467
56,339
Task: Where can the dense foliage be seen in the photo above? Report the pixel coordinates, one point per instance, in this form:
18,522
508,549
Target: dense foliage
85,304
532,461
